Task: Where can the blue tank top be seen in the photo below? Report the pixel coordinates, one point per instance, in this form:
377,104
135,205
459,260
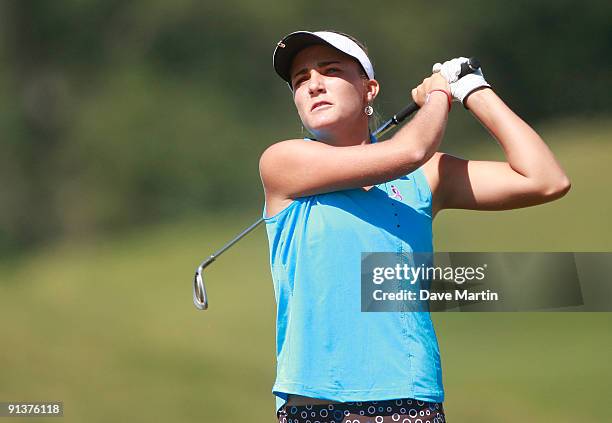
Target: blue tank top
325,346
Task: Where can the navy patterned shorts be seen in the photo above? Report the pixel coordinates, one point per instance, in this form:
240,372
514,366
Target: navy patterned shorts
389,411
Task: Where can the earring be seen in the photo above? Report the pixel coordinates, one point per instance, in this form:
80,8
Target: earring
369,110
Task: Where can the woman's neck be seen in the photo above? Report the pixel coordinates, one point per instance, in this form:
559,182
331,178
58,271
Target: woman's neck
349,135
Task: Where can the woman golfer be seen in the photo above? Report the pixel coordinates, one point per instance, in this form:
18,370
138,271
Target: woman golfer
331,197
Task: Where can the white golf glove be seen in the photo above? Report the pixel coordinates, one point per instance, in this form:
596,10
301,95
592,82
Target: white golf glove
461,88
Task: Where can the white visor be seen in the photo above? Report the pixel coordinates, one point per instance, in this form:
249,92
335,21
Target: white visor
290,45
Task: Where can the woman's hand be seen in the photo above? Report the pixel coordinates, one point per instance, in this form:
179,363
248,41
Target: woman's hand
462,87
435,82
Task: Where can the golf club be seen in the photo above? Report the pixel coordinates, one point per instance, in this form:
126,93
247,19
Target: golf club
200,299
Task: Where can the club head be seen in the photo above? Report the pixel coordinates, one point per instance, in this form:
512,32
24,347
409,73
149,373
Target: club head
200,300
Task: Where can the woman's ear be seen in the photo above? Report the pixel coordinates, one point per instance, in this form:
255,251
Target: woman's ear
372,89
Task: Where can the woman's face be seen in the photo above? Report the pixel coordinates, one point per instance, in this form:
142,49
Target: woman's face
329,89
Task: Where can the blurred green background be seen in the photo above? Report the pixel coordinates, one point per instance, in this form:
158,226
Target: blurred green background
130,138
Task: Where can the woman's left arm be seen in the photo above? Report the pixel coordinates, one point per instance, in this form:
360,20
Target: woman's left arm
531,175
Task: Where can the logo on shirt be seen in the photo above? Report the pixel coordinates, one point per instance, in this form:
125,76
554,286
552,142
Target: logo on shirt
396,193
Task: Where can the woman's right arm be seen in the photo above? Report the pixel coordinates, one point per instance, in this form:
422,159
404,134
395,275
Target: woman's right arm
298,168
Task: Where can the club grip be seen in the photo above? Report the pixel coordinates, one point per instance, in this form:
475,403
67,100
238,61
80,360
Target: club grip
406,111
470,66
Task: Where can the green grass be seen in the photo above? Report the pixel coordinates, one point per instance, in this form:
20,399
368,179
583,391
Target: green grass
108,327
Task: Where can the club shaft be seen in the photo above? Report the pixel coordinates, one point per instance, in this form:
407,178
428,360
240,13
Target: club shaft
395,120
221,250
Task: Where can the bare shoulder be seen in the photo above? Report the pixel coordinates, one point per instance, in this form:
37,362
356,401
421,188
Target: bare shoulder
442,165
431,169
283,145
279,153
272,170
275,158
